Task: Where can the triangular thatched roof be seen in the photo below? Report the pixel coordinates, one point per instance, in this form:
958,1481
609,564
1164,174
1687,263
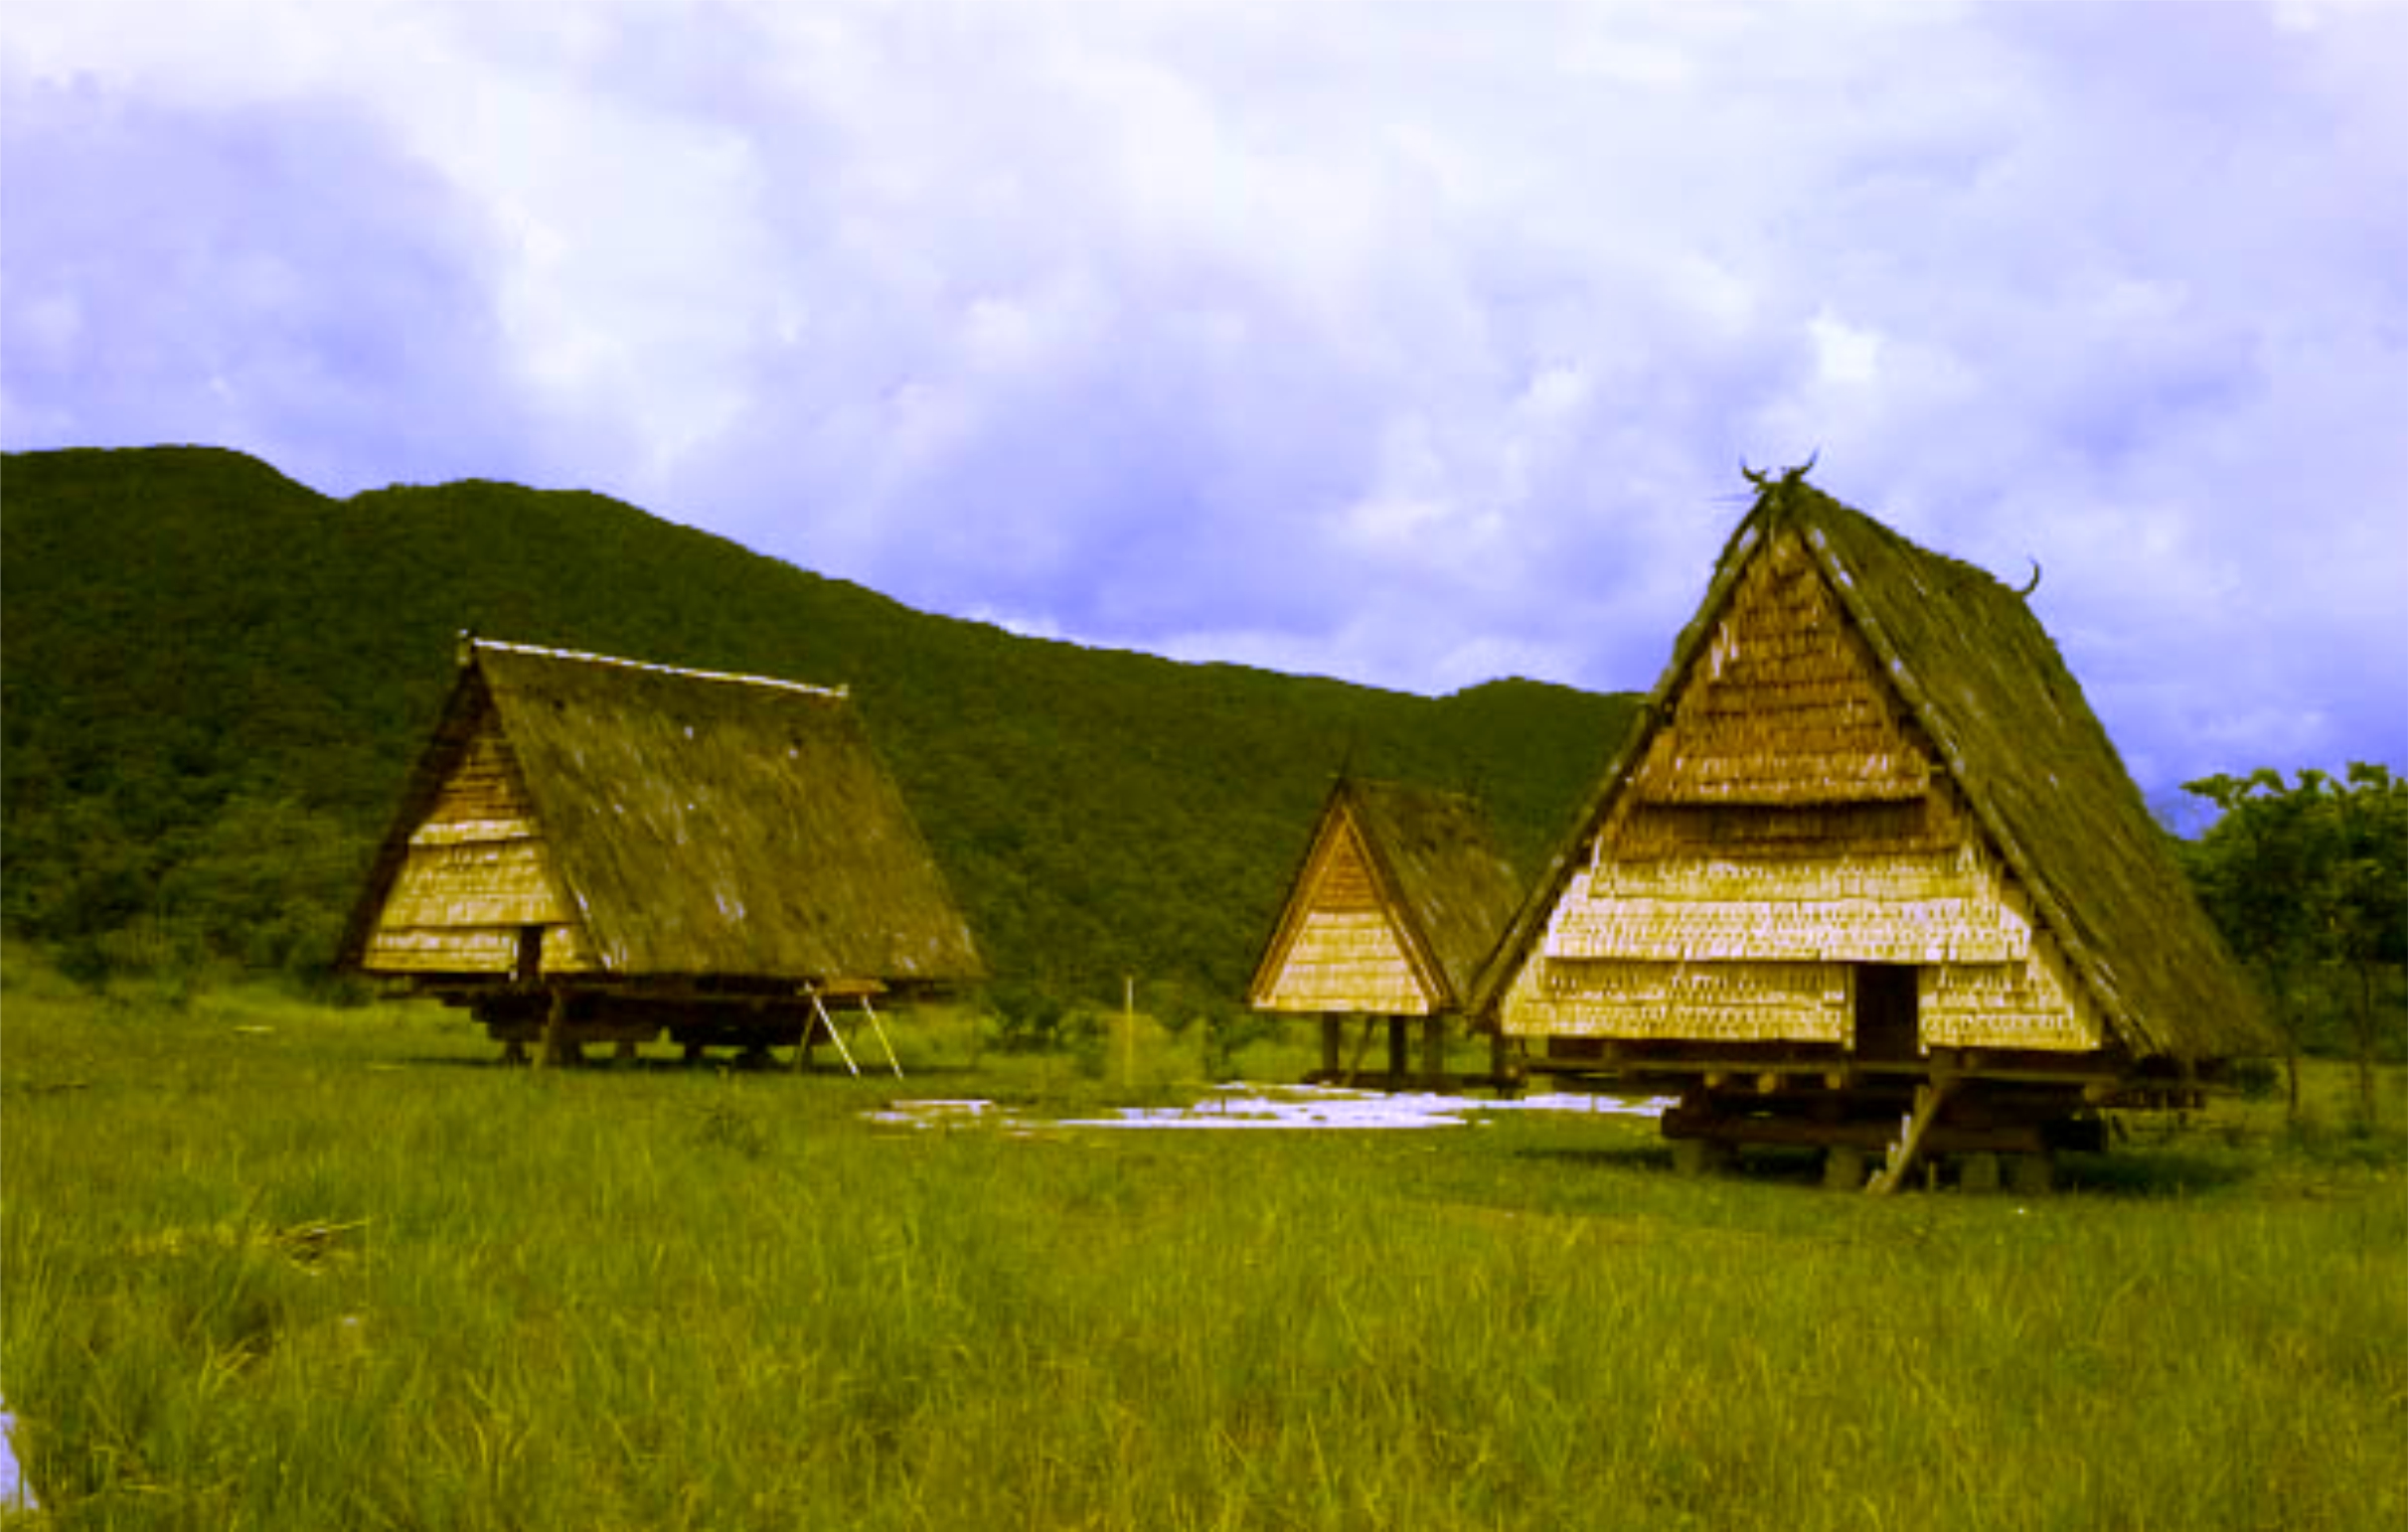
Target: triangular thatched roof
695,823
1435,875
2007,722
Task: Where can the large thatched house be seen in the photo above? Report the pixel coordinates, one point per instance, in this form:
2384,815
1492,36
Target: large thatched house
593,848
1869,873
1398,900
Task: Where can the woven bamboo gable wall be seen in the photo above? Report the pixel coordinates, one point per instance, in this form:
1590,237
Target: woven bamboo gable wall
1785,823
475,877
1341,948
1400,899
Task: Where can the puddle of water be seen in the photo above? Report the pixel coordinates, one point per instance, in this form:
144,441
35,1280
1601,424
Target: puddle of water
1251,1107
15,1493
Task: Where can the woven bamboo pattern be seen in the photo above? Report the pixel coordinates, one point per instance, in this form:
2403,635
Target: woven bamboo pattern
2028,1004
474,950
474,876
1348,960
476,883
444,950
1921,911
1423,869
1785,707
1646,831
1741,1001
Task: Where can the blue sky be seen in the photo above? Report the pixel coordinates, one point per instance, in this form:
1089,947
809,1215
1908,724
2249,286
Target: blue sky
1415,344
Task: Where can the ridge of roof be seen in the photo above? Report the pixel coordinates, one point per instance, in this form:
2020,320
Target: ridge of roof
471,645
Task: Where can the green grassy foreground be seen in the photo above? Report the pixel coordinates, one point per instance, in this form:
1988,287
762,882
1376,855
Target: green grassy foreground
267,1265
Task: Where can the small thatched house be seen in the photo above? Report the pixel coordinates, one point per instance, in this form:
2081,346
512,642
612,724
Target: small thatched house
595,850
1869,873
1398,901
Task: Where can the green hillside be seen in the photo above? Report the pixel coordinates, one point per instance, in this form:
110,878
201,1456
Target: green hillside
215,680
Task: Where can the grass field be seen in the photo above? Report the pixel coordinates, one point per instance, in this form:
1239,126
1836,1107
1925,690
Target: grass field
268,1264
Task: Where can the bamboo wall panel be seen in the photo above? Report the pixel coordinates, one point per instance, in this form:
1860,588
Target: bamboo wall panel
1348,960
473,950
473,883
484,784
474,876
2029,1004
1645,832
1785,705
1341,875
1699,1003
458,950
1907,911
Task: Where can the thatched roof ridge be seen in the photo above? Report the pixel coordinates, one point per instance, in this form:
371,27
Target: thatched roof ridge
1986,684
701,823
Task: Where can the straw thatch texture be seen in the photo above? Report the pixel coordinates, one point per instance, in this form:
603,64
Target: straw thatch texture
1866,752
687,825
1398,901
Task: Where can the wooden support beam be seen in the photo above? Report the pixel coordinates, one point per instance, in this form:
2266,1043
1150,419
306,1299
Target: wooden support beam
821,1012
556,1049
1333,1039
1929,1098
1433,1051
893,1062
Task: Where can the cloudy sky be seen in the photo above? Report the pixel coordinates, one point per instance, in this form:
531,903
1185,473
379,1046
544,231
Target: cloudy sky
1415,344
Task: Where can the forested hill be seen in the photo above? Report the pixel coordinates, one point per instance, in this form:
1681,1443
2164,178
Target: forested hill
216,679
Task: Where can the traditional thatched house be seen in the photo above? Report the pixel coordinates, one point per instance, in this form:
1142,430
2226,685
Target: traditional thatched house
1397,902
598,849
1869,874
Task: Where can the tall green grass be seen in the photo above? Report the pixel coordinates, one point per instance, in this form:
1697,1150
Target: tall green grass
273,1265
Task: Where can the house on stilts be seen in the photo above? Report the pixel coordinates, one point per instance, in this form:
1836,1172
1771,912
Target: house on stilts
592,849
1400,895
1870,875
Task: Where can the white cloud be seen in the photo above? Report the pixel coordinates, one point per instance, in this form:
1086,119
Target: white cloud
1393,342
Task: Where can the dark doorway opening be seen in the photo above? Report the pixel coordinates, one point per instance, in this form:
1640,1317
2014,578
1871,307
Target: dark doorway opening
1885,1012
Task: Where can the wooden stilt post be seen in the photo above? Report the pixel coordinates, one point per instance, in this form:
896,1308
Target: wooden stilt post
1333,1029
1363,1045
1399,1051
555,1051
1433,1052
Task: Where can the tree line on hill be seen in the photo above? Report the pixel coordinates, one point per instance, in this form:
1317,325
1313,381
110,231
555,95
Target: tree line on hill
216,682
216,679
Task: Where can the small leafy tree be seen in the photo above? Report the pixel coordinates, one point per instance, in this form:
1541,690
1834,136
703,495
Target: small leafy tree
2305,875
2262,874
2367,908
